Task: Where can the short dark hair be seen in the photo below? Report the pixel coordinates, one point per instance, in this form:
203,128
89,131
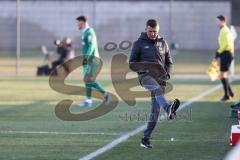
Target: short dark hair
152,23
222,18
82,18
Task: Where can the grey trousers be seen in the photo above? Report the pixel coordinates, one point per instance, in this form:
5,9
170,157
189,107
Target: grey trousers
158,100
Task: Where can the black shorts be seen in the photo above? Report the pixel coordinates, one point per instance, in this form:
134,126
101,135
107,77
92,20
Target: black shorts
225,61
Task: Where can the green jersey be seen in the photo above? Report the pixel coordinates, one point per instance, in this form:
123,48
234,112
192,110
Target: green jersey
89,43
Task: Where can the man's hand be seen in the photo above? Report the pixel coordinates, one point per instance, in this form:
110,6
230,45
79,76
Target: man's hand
216,55
84,62
165,77
168,76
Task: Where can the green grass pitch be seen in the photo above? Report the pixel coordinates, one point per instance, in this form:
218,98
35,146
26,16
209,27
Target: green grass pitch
30,130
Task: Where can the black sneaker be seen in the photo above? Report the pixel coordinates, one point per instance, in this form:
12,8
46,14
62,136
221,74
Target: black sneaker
225,98
232,96
173,108
145,143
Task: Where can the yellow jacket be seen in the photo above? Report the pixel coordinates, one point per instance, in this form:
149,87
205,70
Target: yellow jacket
225,40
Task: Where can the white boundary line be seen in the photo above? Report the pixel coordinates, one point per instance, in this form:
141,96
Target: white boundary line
234,154
204,94
60,133
141,128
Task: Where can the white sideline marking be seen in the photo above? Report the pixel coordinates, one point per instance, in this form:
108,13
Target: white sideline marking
59,133
113,143
194,99
141,128
234,154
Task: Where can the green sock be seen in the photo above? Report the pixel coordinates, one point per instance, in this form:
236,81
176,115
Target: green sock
98,86
88,91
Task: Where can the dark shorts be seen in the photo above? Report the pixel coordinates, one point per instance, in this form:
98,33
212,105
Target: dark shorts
225,61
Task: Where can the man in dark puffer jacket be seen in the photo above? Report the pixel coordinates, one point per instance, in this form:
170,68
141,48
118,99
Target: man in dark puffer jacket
151,59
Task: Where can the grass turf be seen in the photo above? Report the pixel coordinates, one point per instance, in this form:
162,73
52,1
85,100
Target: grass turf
28,105
185,61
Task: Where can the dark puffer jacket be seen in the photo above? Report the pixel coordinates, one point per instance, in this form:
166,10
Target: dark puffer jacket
151,56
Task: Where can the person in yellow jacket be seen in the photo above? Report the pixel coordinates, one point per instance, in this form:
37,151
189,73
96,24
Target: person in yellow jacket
225,55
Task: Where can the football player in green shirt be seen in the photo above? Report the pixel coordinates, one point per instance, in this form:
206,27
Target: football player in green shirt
225,55
91,62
